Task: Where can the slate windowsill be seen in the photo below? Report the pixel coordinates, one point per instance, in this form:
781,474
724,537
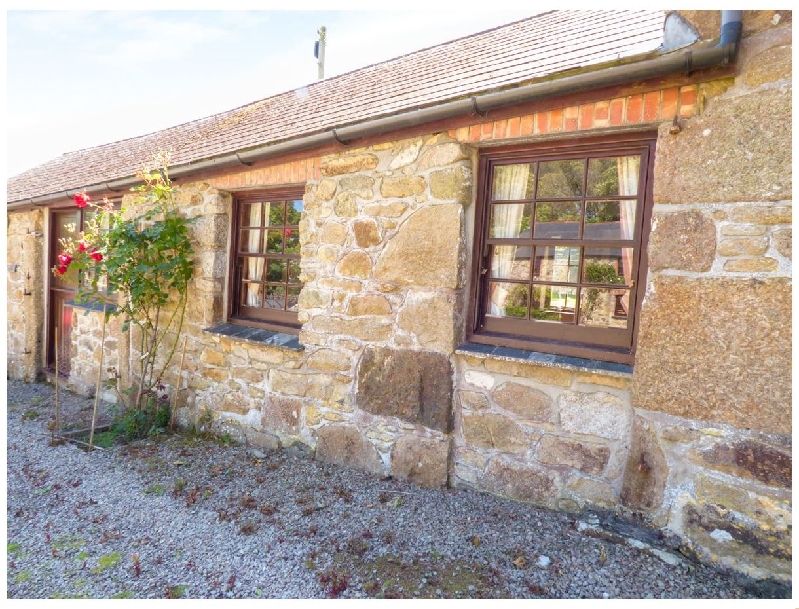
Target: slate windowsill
543,359
257,336
91,306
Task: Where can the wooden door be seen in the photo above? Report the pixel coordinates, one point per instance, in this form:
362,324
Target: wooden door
61,293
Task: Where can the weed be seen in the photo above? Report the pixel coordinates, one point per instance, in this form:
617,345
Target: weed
268,509
249,502
13,548
207,493
22,577
191,496
248,528
37,399
231,582
30,415
344,494
174,591
154,489
224,440
68,542
136,565
123,594
388,537
335,582
178,487
106,561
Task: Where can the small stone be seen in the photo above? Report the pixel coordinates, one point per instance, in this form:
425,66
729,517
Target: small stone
544,561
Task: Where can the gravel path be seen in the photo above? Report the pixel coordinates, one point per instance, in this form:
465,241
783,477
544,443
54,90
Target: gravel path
191,517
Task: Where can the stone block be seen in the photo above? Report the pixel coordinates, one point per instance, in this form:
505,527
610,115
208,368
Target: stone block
361,186
414,386
344,445
762,214
683,241
782,241
402,186
714,531
751,265
743,230
473,400
339,165
422,461
771,512
442,154
387,210
771,65
594,414
425,251
540,374
594,492
282,414
363,328
646,471
291,383
329,359
588,458
405,153
751,460
333,233
454,184
521,482
717,349
368,304
339,283
738,150
526,402
367,233
743,246
494,432
346,205
430,318
311,298
355,264
326,189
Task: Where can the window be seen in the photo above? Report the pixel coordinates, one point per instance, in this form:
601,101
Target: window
559,247
266,259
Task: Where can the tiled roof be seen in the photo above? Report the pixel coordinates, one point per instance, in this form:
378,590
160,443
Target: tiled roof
503,57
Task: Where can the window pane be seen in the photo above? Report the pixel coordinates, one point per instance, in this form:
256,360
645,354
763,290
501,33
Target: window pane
553,303
508,299
609,220
557,220
274,242
510,262
513,182
277,270
276,210
250,242
275,297
612,177
252,294
294,296
560,179
608,265
292,240
294,212
251,214
294,271
556,263
604,307
510,221
252,269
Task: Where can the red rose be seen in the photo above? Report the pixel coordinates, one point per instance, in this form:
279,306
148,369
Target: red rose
81,199
95,255
64,259
81,246
61,270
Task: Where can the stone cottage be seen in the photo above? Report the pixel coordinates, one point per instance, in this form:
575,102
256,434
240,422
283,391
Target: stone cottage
551,261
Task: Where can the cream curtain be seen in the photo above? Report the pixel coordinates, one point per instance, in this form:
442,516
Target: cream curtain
255,266
509,184
629,168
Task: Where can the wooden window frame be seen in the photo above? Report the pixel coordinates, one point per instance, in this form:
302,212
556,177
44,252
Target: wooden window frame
279,320
605,344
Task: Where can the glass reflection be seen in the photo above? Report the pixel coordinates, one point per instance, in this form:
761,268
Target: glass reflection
513,182
558,179
557,220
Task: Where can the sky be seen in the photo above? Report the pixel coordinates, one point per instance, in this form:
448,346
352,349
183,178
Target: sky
82,78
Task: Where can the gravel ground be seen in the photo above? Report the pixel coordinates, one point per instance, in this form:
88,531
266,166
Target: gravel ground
191,517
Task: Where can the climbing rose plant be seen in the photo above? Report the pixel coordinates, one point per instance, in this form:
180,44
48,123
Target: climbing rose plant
136,262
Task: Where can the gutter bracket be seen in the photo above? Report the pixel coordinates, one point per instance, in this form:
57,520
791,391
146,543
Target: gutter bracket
238,158
338,139
477,110
108,186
